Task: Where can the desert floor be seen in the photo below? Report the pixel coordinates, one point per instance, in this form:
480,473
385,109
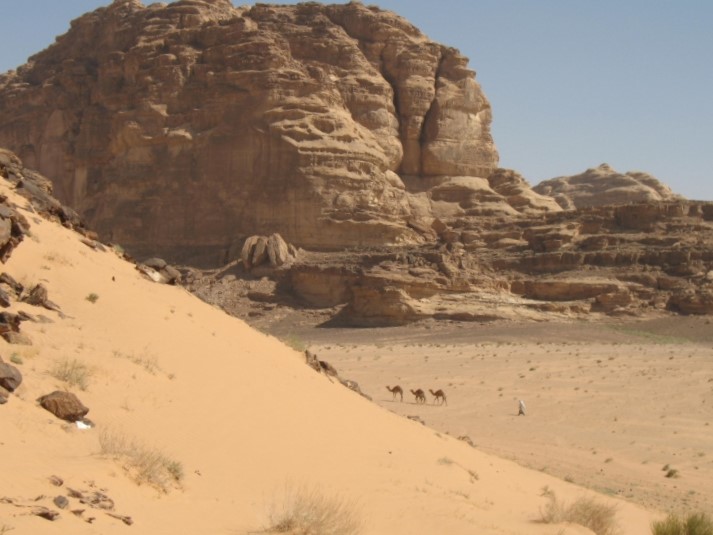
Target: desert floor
623,407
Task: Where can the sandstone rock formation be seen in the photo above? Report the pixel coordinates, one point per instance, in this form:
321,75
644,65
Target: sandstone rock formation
603,185
271,250
631,260
182,129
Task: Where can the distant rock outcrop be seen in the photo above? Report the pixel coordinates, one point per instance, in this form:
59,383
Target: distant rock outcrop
271,250
182,129
603,185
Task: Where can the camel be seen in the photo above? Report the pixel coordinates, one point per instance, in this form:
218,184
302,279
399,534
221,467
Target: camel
396,390
420,395
438,394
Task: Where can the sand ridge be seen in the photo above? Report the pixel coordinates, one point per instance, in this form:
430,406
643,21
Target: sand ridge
236,409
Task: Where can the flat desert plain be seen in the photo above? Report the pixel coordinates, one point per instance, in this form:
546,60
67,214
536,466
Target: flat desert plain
623,407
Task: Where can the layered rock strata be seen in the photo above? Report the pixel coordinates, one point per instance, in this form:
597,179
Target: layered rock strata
631,260
181,129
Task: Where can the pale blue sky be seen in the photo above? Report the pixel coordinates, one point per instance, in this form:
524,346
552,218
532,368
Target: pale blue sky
573,83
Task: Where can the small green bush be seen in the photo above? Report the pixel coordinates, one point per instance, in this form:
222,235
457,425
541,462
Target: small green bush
92,297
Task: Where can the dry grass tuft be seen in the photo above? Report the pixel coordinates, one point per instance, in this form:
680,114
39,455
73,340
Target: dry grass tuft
306,511
695,524
596,516
72,372
144,465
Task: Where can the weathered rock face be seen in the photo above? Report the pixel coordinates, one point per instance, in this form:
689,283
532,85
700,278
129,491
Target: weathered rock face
513,187
626,260
181,129
602,186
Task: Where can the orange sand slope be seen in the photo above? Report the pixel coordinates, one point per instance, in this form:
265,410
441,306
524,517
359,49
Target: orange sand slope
238,412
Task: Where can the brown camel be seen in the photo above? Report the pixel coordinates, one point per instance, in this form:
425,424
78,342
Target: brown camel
396,390
438,395
420,395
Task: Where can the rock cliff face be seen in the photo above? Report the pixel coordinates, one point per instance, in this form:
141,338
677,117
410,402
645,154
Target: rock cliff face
630,260
604,185
181,129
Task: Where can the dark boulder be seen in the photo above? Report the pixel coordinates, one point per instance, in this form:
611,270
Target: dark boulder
64,405
10,377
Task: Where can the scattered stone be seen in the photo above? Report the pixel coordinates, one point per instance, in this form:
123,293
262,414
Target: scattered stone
61,501
38,296
328,369
10,377
94,499
9,322
172,275
467,440
16,287
416,419
151,274
56,481
124,518
312,361
93,244
164,275
4,298
155,263
64,405
353,385
44,512
12,337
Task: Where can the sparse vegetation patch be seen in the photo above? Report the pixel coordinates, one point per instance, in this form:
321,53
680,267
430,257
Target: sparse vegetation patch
588,512
72,371
694,524
304,511
143,464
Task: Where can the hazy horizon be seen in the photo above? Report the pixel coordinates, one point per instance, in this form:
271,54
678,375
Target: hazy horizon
572,85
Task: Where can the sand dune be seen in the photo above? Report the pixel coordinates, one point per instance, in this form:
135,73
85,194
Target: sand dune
236,410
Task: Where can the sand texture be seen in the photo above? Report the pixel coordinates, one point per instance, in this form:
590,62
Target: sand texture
238,417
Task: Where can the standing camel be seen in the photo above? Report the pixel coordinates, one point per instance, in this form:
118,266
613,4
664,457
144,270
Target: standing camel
420,395
396,390
438,395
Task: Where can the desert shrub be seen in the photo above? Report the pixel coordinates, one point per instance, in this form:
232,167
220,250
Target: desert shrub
71,371
695,524
92,297
310,512
144,465
585,511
